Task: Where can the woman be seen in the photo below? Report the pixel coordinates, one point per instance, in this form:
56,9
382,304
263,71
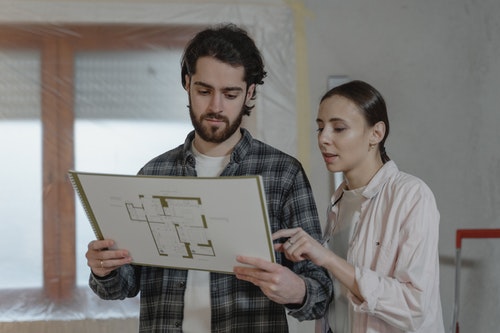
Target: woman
381,240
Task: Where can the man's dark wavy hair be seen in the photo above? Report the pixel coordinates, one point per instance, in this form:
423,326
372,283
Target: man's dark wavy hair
231,45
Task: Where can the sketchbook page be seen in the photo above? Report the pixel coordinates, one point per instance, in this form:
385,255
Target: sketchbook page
182,222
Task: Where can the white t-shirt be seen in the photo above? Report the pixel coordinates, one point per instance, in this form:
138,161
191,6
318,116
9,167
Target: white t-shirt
197,312
339,314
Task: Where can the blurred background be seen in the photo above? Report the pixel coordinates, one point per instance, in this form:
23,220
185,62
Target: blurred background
95,86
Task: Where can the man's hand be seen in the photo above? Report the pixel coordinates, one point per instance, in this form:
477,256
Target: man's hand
103,261
277,282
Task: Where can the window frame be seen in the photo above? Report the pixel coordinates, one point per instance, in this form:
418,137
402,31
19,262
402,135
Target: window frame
58,45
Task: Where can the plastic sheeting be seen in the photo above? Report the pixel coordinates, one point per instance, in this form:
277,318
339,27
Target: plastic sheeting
98,93
33,305
269,22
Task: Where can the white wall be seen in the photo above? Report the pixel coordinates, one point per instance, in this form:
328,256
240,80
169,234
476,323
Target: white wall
437,63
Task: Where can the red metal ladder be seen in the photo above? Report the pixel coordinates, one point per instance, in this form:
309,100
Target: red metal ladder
461,234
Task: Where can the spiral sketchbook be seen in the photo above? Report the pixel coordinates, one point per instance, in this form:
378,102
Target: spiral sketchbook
199,223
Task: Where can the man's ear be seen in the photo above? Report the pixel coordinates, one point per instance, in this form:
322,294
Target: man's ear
188,81
250,91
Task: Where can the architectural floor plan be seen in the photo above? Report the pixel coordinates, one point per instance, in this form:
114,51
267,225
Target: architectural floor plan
177,224
199,223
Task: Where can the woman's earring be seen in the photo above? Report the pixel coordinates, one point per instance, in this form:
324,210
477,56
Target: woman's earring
372,146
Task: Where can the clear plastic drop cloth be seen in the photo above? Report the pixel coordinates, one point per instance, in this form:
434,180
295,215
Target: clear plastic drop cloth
95,86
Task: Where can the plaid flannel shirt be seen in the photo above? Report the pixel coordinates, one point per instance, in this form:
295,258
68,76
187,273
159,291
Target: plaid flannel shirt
236,306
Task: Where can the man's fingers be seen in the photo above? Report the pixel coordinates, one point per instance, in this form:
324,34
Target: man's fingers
99,245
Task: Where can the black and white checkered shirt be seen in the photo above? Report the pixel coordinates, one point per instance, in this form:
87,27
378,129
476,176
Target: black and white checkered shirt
236,306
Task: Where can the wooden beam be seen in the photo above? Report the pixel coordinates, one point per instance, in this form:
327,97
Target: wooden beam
58,197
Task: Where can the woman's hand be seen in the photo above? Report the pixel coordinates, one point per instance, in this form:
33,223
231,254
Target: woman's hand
300,246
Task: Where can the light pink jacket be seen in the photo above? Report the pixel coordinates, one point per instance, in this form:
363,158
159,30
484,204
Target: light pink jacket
395,254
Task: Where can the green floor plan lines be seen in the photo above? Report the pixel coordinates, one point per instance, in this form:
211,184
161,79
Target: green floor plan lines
178,225
201,223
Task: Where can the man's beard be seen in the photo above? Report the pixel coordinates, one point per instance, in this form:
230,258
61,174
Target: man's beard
213,133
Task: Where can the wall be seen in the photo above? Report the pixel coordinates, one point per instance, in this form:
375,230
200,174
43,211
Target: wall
437,64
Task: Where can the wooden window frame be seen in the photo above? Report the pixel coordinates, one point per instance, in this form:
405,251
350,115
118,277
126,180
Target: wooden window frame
58,45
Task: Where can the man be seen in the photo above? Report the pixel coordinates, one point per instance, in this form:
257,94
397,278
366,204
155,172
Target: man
221,68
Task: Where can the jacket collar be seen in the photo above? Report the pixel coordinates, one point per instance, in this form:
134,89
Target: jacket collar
382,176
